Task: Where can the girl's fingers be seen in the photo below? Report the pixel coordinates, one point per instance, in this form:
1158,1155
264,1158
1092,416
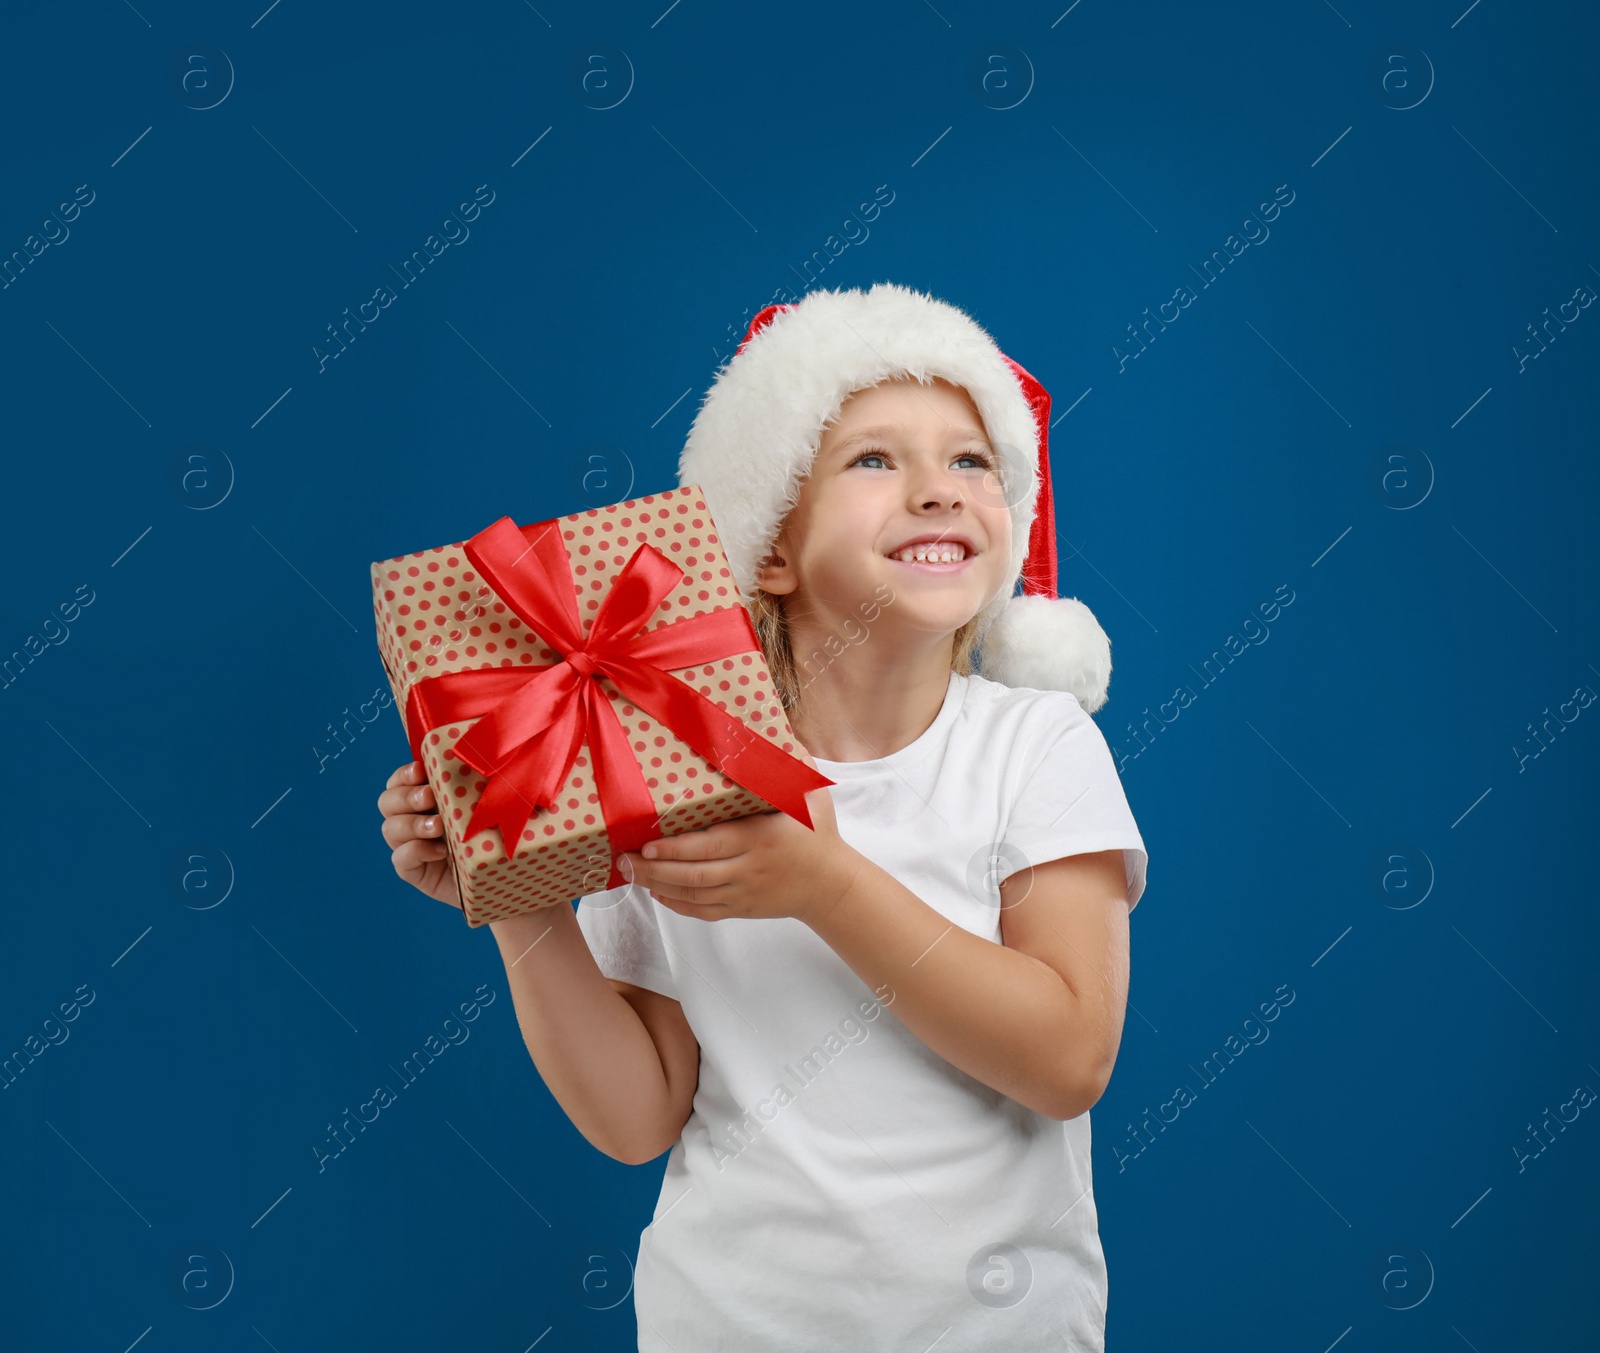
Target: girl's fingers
658,874
722,840
406,799
414,856
403,827
408,774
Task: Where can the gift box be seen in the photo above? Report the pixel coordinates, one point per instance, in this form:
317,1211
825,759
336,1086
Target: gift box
577,687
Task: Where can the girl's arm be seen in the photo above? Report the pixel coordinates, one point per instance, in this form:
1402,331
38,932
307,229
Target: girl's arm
620,1060
1038,1017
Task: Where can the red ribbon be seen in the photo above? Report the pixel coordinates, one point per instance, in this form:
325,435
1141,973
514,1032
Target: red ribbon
532,721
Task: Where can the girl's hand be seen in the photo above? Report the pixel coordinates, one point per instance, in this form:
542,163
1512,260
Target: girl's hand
767,866
412,827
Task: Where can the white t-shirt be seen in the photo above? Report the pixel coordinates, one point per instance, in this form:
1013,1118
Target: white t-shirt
839,1185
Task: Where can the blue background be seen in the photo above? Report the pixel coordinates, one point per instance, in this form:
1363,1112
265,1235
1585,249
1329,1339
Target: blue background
1349,810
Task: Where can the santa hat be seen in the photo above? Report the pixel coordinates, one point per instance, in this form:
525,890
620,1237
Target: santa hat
759,427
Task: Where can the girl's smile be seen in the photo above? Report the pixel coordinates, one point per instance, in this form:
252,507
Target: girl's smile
935,554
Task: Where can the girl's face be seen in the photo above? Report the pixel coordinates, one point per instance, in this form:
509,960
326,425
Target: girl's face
903,463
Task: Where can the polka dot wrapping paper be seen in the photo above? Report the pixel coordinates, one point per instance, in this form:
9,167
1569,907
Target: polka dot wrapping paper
437,615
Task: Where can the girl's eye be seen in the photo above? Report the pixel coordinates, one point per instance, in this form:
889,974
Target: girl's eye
982,458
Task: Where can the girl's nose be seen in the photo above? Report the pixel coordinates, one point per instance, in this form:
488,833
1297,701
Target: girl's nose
937,488
945,493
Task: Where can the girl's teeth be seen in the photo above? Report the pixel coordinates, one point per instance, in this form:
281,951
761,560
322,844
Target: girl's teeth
932,554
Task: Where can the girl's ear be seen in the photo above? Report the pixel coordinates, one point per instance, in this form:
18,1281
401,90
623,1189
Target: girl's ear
775,576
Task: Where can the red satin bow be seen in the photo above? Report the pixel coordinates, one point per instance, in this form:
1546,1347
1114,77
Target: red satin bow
533,720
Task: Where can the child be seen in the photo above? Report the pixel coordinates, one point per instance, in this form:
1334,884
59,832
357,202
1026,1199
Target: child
871,1046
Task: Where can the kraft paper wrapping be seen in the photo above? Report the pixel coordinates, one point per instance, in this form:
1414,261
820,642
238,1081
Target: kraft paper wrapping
434,615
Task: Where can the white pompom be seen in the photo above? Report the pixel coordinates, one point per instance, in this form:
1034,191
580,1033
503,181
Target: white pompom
1049,644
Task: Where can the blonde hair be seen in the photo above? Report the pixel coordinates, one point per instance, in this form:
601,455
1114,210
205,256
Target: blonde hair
771,621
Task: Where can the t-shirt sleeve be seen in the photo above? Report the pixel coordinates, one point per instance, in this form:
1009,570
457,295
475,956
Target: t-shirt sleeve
623,934
1069,801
